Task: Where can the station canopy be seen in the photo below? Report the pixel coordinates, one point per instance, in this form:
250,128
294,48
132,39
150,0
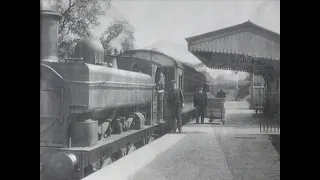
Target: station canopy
244,47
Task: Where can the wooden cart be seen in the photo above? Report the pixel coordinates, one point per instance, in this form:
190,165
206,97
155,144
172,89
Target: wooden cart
215,109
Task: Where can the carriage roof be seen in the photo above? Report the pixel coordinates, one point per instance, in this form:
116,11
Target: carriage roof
152,56
166,54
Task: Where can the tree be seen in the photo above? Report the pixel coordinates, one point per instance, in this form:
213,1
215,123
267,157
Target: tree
128,43
79,17
112,32
109,50
116,29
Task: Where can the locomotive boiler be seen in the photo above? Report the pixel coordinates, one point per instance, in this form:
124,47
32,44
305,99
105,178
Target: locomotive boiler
85,91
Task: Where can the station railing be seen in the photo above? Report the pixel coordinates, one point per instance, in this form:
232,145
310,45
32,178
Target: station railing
269,113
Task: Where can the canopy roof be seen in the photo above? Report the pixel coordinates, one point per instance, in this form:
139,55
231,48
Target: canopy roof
237,47
246,38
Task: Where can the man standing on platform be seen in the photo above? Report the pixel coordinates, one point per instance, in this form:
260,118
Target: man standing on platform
175,104
200,103
160,90
221,94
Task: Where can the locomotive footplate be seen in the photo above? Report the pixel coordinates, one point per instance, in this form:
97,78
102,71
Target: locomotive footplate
116,141
106,147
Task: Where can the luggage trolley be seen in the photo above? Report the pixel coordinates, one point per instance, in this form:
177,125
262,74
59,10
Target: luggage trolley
215,109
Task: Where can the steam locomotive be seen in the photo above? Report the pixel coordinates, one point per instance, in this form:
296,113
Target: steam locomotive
92,114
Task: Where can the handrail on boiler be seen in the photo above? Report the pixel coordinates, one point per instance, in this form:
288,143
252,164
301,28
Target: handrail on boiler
73,59
95,82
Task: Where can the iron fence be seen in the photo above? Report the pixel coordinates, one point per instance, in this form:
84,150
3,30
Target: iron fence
269,113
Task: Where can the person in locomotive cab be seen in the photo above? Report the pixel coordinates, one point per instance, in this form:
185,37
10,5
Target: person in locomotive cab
160,90
135,68
200,103
175,104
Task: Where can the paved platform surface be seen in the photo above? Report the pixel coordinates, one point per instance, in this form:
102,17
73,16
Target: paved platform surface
236,150
197,156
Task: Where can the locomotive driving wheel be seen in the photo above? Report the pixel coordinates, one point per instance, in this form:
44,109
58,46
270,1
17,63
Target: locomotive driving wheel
149,138
103,162
130,149
99,164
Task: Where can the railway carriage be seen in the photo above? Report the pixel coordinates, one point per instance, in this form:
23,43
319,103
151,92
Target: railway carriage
92,114
187,77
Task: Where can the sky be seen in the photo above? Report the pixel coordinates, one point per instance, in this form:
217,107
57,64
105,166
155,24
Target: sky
175,20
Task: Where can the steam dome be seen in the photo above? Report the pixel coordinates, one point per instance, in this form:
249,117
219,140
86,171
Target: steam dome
91,50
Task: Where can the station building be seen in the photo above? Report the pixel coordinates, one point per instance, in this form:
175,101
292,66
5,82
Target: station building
245,47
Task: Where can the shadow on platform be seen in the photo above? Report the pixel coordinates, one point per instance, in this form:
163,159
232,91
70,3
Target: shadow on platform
275,140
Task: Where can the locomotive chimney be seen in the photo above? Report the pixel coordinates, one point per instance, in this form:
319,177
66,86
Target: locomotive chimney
49,34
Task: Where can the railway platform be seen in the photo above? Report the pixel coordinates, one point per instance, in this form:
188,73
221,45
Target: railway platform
236,150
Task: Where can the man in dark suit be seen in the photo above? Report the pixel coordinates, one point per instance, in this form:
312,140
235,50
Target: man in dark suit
200,103
160,90
221,94
175,104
